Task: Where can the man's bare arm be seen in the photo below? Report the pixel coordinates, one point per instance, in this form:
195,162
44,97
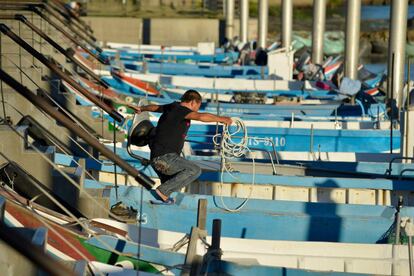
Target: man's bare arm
150,107
208,117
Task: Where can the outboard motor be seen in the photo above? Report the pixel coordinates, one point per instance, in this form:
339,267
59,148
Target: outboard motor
140,135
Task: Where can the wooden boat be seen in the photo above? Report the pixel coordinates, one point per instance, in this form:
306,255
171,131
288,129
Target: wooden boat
220,57
201,70
297,221
224,88
279,182
64,243
379,259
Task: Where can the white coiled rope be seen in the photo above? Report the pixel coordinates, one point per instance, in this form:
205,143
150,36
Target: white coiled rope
232,148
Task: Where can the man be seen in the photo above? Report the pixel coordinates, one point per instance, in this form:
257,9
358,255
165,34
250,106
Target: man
74,7
175,171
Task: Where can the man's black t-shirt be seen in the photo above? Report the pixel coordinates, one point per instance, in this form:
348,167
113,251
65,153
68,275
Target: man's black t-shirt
171,130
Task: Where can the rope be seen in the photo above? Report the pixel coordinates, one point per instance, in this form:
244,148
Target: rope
48,225
233,149
65,210
64,174
1,82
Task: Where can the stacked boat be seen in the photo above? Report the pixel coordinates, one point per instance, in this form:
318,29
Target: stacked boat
319,184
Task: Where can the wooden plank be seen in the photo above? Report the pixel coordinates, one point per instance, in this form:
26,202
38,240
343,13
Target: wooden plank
190,257
202,214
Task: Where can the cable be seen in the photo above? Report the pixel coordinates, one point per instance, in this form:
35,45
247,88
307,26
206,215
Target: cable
1,82
230,149
64,209
64,111
49,227
56,167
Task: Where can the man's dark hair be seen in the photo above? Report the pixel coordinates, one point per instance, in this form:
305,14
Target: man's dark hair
191,95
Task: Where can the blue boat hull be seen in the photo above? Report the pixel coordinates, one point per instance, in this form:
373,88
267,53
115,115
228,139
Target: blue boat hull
212,71
135,56
265,219
291,139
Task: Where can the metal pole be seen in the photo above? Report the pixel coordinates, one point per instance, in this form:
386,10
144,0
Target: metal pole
67,53
263,21
318,30
66,34
353,18
391,102
406,112
244,20
397,42
19,243
81,35
229,19
287,26
407,99
111,111
398,221
74,19
410,254
216,235
69,124
311,140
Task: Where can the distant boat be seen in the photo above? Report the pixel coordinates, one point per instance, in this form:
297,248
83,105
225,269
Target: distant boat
333,43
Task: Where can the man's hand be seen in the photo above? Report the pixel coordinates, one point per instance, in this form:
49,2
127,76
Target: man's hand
137,109
227,120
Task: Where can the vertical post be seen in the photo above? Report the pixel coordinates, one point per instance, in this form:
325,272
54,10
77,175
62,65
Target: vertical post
397,42
353,18
410,254
407,98
202,214
229,19
244,20
1,81
405,114
318,30
192,260
287,17
115,172
215,239
391,101
398,220
311,140
263,21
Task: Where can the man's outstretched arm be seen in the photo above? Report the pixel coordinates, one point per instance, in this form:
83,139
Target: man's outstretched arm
150,107
208,117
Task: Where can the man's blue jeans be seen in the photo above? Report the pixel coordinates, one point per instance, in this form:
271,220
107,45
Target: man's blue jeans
175,172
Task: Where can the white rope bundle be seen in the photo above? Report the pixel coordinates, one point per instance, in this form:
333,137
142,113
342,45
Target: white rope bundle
232,149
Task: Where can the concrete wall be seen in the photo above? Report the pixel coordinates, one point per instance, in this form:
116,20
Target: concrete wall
170,31
183,31
116,29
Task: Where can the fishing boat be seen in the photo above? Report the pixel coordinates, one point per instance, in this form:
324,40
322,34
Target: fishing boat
299,221
223,57
64,241
376,259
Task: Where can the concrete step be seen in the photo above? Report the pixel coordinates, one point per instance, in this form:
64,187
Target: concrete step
29,168
18,107
15,148
84,114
